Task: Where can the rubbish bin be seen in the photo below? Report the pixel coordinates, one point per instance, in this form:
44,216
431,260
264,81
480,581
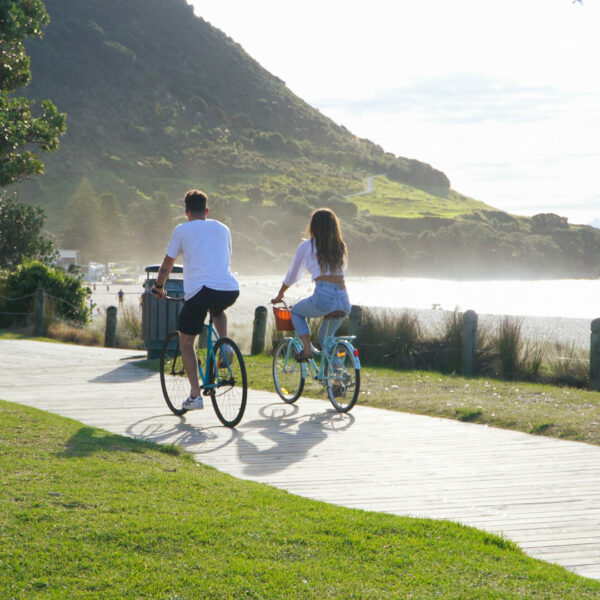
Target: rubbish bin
160,317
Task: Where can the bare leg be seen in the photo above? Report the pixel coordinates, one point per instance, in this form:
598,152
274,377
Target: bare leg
220,324
190,362
306,342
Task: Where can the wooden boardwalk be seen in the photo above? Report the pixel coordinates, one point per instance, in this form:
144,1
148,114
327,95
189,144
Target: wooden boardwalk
539,492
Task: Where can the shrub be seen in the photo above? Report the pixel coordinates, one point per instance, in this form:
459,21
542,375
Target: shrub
452,339
129,327
66,294
509,344
388,338
569,366
64,332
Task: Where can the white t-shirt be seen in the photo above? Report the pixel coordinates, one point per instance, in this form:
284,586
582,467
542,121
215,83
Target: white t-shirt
206,248
306,259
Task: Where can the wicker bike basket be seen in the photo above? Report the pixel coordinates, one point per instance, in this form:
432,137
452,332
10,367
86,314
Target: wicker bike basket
283,318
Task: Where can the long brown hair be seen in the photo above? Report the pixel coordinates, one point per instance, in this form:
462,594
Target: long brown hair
325,233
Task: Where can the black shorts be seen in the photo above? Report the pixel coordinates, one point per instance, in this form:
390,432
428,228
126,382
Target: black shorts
193,313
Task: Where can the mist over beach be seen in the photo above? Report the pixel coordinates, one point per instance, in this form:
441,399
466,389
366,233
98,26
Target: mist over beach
554,310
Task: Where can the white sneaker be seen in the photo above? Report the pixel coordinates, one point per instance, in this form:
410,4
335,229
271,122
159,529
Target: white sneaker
193,403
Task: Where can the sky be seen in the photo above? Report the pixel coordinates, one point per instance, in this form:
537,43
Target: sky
501,95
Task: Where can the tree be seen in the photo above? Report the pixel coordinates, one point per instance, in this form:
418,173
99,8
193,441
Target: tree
21,233
19,128
111,229
82,222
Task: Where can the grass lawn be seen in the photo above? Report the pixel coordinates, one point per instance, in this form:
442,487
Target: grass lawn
394,199
89,514
567,413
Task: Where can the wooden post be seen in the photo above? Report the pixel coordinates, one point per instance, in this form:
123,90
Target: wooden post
39,313
355,322
110,333
259,330
595,355
469,343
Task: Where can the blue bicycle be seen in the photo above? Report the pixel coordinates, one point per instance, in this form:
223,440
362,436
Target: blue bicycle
221,371
338,371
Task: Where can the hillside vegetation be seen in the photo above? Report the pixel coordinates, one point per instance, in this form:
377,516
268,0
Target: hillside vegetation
159,101
396,199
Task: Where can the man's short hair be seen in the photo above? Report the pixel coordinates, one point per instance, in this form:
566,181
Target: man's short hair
196,201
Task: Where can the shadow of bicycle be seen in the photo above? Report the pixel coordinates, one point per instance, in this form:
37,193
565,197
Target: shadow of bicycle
175,430
289,436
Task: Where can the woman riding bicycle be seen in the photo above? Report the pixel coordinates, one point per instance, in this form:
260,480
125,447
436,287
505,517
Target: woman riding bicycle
324,254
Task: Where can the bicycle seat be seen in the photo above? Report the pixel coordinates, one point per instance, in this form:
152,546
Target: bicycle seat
335,314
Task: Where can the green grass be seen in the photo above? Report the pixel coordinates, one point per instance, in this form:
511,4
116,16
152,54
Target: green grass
88,514
560,412
7,334
394,199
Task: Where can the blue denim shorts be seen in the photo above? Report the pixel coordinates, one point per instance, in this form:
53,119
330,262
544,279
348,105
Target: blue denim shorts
326,298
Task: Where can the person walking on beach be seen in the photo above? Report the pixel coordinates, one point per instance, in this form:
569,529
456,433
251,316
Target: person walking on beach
208,283
325,256
120,294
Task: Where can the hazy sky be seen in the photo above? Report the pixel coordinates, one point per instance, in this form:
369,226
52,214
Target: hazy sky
501,95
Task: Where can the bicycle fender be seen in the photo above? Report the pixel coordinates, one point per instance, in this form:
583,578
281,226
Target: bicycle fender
350,347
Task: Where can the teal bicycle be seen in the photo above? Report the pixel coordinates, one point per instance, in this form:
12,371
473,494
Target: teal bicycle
338,371
221,371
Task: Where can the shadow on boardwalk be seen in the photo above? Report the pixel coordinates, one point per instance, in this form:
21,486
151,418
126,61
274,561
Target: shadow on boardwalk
292,435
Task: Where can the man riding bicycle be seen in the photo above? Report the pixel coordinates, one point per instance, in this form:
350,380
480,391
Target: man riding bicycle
208,283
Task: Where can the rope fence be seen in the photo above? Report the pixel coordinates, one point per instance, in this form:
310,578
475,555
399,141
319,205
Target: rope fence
42,313
16,300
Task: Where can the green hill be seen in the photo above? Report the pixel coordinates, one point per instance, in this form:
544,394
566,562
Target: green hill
159,101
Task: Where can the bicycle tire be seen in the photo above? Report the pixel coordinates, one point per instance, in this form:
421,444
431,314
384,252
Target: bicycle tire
229,398
287,372
173,380
343,378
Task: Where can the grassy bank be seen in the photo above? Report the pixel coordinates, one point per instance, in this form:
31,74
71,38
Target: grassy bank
89,514
540,409
561,412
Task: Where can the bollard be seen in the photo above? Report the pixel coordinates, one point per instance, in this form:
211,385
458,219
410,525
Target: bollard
259,330
595,355
355,321
469,343
39,313
110,333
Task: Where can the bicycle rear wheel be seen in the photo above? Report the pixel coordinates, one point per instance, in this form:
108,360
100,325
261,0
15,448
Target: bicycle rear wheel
343,379
287,372
173,380
229,373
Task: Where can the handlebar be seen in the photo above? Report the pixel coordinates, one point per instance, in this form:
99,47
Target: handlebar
170,298
285,304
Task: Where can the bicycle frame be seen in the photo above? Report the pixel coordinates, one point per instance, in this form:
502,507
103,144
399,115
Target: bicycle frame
210,356
221,373
310,366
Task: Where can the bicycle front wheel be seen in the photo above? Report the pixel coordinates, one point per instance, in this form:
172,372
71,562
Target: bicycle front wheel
343,378
228,375
287,372
174,383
